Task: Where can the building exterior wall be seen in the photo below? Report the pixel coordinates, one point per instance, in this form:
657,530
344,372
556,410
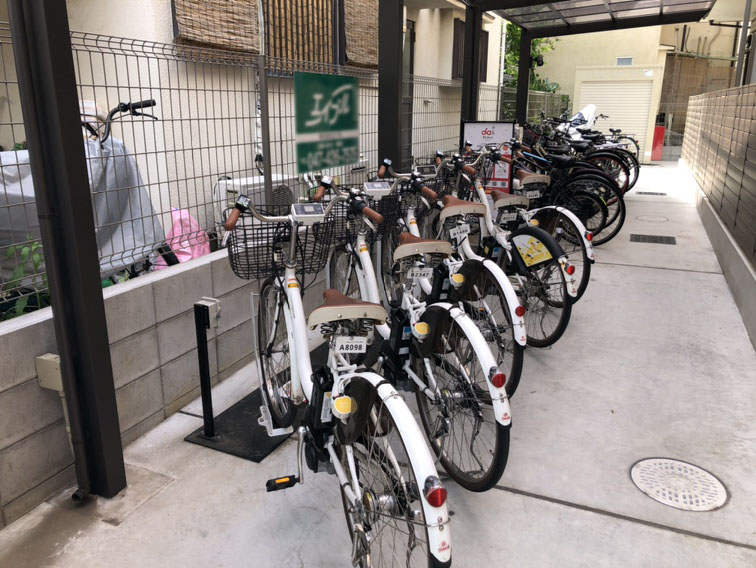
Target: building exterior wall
599,49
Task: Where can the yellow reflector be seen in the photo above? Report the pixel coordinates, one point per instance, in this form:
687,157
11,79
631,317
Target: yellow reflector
422,328
344,406
534,222
458,278
282,480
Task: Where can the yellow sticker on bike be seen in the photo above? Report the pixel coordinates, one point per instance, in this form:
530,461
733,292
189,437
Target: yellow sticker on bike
532,250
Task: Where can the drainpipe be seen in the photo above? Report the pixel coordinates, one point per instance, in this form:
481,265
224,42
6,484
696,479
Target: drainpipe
741,46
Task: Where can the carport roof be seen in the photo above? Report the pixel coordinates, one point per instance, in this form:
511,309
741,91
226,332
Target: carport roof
545,19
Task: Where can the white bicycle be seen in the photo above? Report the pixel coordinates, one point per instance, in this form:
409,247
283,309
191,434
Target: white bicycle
431,348
354,423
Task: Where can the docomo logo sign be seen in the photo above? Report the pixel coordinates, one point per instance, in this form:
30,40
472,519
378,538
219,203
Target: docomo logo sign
486,133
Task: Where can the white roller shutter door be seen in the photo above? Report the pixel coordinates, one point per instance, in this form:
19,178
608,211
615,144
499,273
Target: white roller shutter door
627,103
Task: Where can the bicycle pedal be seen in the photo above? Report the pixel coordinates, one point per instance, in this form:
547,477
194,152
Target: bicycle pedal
279,483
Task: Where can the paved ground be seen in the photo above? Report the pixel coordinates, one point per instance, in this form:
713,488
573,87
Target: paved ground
656,362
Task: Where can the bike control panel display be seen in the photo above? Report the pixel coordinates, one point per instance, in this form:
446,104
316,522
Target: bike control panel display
308,213
377,189
428,170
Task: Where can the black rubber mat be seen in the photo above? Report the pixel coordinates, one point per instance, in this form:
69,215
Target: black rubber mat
237,431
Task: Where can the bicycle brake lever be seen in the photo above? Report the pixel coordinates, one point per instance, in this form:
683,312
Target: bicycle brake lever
135,113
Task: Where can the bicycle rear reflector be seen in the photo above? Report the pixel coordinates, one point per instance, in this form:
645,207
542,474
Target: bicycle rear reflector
434,491
520,311
498,380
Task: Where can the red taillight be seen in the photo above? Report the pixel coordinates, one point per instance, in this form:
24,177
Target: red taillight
434,491
498,380
570,269
520,311
588,236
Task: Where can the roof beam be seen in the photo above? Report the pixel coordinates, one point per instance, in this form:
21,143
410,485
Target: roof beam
487,5
621,24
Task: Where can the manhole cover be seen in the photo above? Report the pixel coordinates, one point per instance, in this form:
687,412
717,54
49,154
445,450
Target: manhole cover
652,218
678,484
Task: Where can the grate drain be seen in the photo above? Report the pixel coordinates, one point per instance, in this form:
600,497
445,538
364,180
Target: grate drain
678,484
652,218
653,239
649,193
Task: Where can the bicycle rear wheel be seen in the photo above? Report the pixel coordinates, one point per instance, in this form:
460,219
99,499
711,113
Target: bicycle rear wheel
543,288
460,423
569,237
387,525
341,273
611,196
588,207
273,350
486,304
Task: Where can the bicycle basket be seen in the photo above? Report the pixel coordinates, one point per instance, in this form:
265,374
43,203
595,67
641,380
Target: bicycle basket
257,250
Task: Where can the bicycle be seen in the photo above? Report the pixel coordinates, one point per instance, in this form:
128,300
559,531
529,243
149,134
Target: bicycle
431,348
354,423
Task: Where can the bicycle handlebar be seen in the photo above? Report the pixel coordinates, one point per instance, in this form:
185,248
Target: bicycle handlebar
245,204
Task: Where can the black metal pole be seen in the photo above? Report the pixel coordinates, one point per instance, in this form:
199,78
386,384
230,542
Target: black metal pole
47,85
523,78
390,71
202,324
471,71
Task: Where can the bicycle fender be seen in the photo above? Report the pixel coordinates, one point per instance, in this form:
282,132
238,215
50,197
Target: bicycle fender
513,301
423,464
487,360
578,223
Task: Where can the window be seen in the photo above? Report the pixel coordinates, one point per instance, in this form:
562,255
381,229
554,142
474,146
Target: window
458,52
624,61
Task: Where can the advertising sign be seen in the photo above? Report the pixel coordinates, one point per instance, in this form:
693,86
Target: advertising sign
327,121
482,134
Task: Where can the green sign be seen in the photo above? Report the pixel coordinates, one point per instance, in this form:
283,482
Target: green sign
327,121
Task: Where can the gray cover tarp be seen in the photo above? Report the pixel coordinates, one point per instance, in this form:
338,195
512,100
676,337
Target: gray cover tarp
127,227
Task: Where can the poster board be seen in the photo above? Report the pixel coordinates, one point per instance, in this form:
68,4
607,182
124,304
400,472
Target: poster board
484,133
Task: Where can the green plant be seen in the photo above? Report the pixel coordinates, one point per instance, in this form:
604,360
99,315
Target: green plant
538,47
27,255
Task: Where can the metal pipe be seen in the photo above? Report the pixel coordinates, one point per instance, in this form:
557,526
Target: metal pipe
523,78
47,85
201,325
262,73
742,43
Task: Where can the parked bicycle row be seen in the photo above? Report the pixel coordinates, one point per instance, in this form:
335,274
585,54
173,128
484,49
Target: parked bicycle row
435,286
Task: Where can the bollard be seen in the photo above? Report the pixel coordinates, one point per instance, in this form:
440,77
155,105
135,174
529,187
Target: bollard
206,313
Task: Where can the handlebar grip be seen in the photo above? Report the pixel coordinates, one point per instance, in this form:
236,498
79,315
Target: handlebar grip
469,170
320,193
428,193
373,215
230,223
382,171
142,104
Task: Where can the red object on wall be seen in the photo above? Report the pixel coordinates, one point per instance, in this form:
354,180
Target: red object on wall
658,146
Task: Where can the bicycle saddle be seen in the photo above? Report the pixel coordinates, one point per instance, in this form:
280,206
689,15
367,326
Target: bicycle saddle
410,245
504,199
591,135
580,146
336,306
526,177
615,130
454,206
561,161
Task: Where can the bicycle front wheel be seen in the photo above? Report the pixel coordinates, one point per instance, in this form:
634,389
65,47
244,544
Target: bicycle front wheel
460,421
273,350
387,524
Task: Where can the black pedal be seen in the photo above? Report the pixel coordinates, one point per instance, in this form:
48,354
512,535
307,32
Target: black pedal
279,483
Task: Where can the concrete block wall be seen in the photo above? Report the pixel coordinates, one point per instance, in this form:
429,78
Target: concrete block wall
153,348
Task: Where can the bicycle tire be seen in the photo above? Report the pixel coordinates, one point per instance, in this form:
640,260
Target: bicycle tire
567,236
445,420
588,207
633,144
486,304
273,350
612,197
341,274
544,290
381,482
632,164
613,165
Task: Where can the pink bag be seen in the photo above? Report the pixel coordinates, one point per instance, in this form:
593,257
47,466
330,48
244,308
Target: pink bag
186,239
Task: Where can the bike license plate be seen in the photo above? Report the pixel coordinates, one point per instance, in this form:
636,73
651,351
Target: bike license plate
459,232
351,344
507,216
533,193
415,273
532,250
